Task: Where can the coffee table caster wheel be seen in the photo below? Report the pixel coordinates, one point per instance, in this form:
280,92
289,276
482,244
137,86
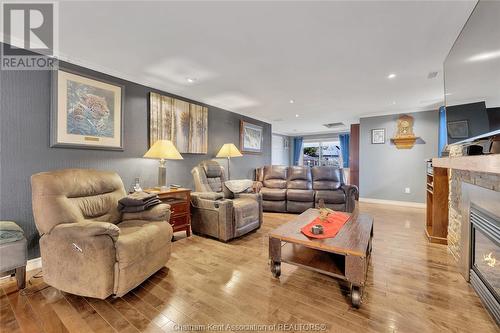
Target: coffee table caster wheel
276,269
356,297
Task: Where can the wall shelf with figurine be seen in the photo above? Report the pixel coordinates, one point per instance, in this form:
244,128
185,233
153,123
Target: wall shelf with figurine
405,138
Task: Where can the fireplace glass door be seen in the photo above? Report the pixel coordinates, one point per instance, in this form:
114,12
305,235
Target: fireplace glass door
486,255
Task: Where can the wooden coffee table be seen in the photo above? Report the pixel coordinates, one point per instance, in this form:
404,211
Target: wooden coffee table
345,256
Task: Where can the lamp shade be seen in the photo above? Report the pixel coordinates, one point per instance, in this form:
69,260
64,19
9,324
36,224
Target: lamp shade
229,150
163,149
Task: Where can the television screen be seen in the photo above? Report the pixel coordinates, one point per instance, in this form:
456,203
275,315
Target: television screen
471,120
472,76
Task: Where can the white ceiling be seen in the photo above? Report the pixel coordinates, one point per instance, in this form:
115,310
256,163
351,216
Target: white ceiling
332,58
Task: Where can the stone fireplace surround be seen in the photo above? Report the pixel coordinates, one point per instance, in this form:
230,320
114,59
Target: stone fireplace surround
458,221
472,179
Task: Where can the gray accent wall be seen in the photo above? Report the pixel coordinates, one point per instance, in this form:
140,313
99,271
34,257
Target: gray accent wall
24,144
386,171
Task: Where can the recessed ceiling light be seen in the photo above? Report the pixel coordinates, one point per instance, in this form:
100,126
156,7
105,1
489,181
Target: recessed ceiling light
191,79
393,102
292,101
391,76
296,116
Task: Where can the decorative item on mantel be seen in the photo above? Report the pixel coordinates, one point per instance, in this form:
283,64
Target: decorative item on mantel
405,138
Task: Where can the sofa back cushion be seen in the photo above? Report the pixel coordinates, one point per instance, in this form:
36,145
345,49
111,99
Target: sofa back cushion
327,178
72,195
299,178
275,176
208,177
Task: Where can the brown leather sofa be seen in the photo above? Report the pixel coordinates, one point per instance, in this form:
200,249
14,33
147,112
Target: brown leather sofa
295,189
219,213
87,246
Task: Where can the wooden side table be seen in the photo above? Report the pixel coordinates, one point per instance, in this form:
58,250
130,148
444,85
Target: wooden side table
180,205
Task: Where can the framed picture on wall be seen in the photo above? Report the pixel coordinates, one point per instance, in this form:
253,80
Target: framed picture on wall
86,112
458,129
251,136
378,136
184,123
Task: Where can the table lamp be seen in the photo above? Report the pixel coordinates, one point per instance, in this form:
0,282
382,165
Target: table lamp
163,150
229,150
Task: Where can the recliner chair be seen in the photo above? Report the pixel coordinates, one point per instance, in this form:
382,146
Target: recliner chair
219,213
88,247
328,185
299,193
274,183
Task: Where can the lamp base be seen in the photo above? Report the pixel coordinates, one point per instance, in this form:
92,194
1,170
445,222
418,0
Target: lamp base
162,175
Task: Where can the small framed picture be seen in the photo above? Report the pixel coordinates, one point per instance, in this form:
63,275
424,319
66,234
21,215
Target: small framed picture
458,129
378,136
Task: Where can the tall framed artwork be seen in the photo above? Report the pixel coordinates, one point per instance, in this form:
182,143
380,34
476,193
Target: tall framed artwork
251,137
86,112
184,123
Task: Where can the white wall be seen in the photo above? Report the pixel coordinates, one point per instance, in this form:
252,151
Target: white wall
280,155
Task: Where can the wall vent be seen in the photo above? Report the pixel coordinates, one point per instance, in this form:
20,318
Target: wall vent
333,125
432,75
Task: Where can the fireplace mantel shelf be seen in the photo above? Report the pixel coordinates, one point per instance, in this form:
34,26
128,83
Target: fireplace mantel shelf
482,163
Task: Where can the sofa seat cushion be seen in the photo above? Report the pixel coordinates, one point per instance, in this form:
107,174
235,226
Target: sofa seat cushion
139,238
246,211
273,194
300,195
333,197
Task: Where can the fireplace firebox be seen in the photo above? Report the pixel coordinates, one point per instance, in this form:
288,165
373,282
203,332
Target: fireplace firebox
485,257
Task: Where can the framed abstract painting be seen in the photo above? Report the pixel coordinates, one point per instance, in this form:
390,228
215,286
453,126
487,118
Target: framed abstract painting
184,123
251,136
86,112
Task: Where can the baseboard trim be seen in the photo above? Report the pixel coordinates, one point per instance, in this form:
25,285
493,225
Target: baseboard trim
393,202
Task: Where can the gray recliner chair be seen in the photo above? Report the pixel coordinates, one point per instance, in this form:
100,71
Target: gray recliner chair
219,213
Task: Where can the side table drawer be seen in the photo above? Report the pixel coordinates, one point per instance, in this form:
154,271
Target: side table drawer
179,208
178,220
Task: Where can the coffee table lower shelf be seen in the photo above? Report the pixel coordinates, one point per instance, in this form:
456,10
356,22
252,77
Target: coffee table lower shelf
344,267
320,261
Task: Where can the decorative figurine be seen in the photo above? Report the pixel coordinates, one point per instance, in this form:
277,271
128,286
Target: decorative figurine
317,229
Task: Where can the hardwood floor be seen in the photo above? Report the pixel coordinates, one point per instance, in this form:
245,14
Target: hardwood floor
412,287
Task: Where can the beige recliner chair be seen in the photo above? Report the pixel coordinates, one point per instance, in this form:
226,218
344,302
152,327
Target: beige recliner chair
219,213
88,247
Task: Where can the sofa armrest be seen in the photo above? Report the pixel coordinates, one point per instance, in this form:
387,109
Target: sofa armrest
208,200
257,186
255,196
213,217
86,229
207,195
351,195
159,212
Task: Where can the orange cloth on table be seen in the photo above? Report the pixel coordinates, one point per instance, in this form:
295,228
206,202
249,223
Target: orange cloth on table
331,225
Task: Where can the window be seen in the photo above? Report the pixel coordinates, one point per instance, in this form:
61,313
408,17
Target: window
325,152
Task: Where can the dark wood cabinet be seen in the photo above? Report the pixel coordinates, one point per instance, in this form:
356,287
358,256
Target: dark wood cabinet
180,206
